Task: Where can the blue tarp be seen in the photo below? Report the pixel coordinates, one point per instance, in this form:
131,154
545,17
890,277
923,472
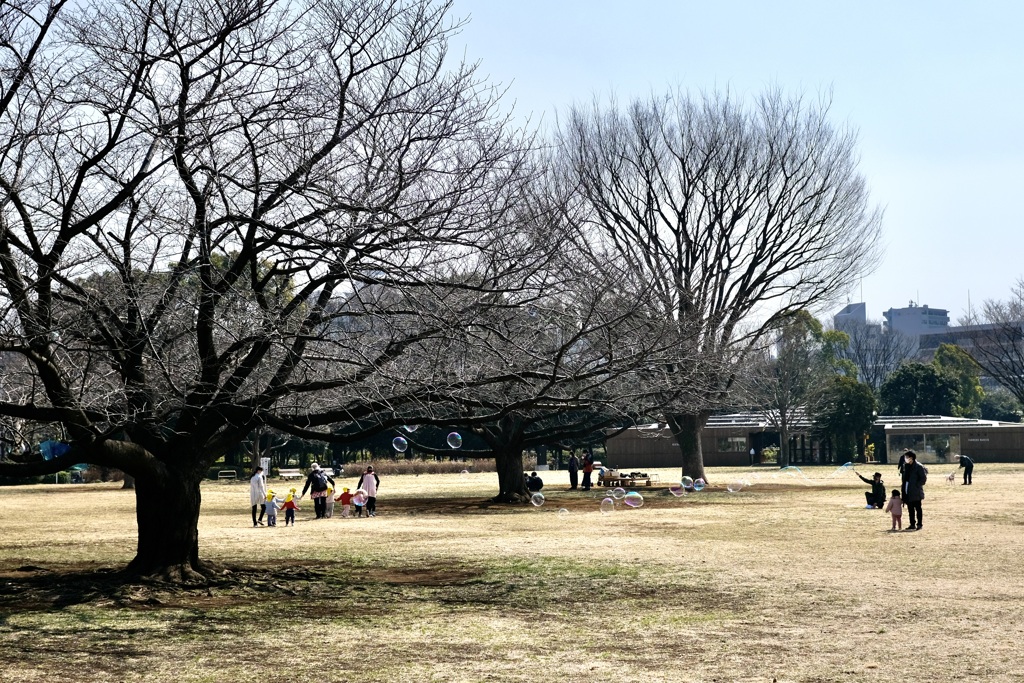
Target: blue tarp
53,449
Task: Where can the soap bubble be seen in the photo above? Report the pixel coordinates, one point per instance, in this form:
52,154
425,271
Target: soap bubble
634,500
618,493
537,499
410,428
677,490
464,473
562,512
735,486
400,444
607,506
699,484
360,497
842,470
455,440
687,482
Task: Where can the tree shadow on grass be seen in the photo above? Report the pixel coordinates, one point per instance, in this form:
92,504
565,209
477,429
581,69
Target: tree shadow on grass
33,588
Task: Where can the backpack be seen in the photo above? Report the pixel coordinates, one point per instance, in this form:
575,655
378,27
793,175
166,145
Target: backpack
320,480
924,475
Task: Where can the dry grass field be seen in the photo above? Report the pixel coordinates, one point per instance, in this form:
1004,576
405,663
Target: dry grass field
784,580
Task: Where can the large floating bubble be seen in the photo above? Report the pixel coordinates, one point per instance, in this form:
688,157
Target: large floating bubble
699,484
562,512
677,490
464,473
537,499
842,470
360,497
735,486
410,428
634,499
455,440
607,506
687,482
400,444
618,493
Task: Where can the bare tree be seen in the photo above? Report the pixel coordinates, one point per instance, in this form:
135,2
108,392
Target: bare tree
876,352
789,379
199,201
738,215
994,338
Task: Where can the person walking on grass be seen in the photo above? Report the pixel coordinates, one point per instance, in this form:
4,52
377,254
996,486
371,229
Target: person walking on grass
329,509
273,505
369,482
915,476
895,507
574,468
346,502
289,507
318,480
258,495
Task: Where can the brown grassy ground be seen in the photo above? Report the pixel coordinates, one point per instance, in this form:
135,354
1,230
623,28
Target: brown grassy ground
782,580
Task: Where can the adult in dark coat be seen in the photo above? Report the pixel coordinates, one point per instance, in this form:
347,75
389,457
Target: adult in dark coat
914,477
317,480
574,469
534,483
876,496
968,466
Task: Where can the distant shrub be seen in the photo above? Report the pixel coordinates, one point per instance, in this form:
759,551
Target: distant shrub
392,467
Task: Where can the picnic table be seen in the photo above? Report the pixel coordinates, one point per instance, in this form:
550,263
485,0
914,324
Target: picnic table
631,479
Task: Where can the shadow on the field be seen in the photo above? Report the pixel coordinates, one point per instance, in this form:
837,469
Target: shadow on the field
33,588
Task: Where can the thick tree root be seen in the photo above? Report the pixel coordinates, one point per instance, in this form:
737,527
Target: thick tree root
184,573
511,498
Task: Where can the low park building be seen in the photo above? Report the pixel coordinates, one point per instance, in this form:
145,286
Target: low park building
739,439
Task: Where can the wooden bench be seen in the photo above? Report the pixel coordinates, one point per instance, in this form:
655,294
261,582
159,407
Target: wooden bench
226,474
294,473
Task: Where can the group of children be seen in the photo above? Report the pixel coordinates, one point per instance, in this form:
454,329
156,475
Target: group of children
290,504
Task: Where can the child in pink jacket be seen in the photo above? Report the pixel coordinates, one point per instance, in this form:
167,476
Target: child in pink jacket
895,507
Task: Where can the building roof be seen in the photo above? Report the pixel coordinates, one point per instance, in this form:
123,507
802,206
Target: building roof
799,420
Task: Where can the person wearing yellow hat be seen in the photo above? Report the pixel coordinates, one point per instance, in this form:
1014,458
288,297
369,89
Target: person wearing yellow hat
273,505
329,505
346,502
289,507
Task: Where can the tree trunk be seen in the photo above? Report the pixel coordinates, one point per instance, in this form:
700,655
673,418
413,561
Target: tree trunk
167,512
508,461
687,430
784,459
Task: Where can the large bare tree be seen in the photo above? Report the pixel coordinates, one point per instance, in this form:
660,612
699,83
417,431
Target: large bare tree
875,351
994,338
737,214
218,215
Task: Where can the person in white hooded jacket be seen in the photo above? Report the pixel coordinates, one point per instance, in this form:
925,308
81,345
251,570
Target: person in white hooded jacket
369,482
258,495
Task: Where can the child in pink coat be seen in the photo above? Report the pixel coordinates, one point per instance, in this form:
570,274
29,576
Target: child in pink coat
895,507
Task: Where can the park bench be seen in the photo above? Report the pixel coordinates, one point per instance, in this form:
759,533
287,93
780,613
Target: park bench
616,478
226,474
294,473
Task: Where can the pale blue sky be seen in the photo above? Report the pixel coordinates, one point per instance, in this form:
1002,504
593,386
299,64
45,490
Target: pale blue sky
935,89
